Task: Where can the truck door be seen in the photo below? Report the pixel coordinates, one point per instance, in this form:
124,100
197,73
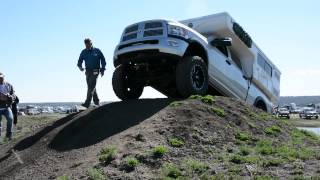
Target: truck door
219,69
235,76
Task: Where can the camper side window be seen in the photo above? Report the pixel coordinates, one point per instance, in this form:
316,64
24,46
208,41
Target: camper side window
265,65
223,49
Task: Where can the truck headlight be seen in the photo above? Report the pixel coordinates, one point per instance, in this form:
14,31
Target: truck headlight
177,31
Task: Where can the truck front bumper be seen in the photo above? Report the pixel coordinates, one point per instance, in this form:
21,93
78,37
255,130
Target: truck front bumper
166,45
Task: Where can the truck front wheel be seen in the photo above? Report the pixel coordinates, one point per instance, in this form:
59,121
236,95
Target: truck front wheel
122,86
192,76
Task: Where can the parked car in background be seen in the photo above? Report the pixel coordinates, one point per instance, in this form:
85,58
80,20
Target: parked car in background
296,111
284,112
33,112
309,113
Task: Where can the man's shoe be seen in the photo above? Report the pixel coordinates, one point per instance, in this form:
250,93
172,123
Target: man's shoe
85,105
96,104
9,137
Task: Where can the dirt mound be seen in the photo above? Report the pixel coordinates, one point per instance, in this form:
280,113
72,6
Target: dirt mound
199,138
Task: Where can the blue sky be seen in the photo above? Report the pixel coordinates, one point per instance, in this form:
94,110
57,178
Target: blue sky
41,40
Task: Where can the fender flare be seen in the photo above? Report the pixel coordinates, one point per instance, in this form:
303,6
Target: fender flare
197,43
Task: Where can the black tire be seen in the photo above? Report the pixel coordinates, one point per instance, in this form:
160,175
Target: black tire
288,117
122,86
192,76
261,105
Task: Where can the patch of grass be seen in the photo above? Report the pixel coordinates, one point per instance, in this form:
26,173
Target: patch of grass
272,162
264,116
238,142
64,177
195,166
251,113
175,104
305,153
242,136
219,176
235,169
221,157
96,174
264,147
264,178
107,154
287,152
218,111
195,97
172,171
175,142
285,122
208,99
273,130
159,151
238,159
291,153
244,150
251,124
132,163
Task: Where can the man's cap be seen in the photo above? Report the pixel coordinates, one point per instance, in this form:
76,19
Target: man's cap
87,40
1,75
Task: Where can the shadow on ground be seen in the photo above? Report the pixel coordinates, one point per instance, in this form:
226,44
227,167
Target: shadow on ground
106,121
30,141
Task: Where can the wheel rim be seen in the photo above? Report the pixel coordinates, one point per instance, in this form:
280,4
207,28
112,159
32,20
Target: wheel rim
197,77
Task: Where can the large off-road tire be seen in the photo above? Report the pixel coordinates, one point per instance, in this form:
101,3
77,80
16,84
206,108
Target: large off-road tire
122,86
192,76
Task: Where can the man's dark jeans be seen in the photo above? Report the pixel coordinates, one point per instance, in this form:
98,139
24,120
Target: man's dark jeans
9,116
91,78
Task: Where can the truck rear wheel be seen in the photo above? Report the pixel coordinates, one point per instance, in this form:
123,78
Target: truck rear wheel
122,87
192,76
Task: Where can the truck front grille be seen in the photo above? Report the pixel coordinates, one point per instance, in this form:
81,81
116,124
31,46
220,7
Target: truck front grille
142,30
131,29
156,32
129,37
153,25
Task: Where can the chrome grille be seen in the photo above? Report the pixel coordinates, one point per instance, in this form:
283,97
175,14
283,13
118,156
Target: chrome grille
153,25
142,30
129,37
156,32
131,29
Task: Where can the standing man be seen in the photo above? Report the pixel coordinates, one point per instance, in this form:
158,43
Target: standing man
95,64
7,97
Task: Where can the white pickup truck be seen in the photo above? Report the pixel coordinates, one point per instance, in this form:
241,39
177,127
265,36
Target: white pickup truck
206,55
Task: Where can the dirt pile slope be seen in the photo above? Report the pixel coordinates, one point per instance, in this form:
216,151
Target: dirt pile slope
199,138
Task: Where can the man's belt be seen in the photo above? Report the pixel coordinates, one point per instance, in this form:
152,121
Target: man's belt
93,71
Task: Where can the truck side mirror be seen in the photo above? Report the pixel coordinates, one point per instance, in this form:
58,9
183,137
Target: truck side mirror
221,42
